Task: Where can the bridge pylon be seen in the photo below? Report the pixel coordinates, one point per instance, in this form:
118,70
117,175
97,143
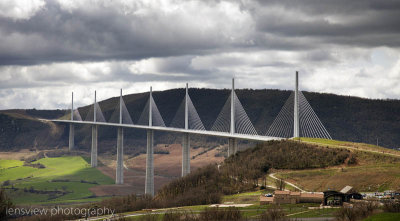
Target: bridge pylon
296,129
119,178
71,143
232,142
186,139
93,154
149,187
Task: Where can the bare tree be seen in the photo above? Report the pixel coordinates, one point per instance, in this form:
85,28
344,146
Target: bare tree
280,184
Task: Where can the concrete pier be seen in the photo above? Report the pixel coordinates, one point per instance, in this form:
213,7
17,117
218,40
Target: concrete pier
71,137
119,179
296,129
232,142
149,188
186,139
232,146
185,154
93,155
71,127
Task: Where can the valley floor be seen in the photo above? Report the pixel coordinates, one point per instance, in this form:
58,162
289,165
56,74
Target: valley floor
70,179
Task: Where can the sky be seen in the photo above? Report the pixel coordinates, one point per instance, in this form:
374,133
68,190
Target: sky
49,48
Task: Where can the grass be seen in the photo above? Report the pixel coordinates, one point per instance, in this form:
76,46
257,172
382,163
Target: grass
4,164
70,170
363,178
326,212
251,212
246,198
384,217
351,145
372,172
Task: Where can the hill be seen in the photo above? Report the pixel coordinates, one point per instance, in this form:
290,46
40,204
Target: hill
346,118
369,169
21,129
313,167
305,164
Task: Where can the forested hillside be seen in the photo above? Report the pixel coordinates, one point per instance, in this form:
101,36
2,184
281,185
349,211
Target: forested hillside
346,118
238,173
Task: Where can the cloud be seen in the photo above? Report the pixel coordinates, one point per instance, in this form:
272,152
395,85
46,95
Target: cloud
97,30
20,9
339,47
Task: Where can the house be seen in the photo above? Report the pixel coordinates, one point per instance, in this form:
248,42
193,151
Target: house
311,197
266,200
348,193
285,197
289,197
347,190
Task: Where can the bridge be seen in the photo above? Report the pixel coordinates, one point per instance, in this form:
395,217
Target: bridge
296,119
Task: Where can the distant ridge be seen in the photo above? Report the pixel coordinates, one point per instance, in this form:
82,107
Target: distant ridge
346,118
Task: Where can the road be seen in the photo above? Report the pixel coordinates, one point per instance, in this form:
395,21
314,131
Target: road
272,175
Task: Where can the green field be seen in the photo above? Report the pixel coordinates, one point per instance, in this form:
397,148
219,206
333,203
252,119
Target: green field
4,164
63,180
250,212
384,217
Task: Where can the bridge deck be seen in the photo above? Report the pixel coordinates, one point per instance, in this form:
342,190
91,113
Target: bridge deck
177,130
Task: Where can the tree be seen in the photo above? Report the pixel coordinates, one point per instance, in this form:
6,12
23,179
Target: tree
280,184
5,203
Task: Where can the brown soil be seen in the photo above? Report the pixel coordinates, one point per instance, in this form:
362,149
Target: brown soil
166,168
24,153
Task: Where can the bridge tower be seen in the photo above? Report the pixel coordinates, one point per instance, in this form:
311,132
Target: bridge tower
119,178
232,142
149,188
186,139
71,127
93,155
296,131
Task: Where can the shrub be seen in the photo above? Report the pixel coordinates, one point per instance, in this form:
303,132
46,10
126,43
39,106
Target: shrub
215,213
273,213
357,212
391,206
161,152
352,160
172,215
6,183
5,203
38,156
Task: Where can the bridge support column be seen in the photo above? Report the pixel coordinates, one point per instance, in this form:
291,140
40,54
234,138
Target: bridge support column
232,146
149,188
119,178
185,154
71,137
93,155
296,130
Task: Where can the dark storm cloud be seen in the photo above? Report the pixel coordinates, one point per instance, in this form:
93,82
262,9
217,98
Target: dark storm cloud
55,34
353,23
55,47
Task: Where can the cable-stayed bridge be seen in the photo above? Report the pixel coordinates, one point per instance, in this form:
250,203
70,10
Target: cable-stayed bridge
296,119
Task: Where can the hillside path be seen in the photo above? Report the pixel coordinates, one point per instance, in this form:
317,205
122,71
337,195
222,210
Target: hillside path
272,175
352,148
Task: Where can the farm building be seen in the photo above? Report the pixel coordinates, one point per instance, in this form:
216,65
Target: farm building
332,197
289,197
